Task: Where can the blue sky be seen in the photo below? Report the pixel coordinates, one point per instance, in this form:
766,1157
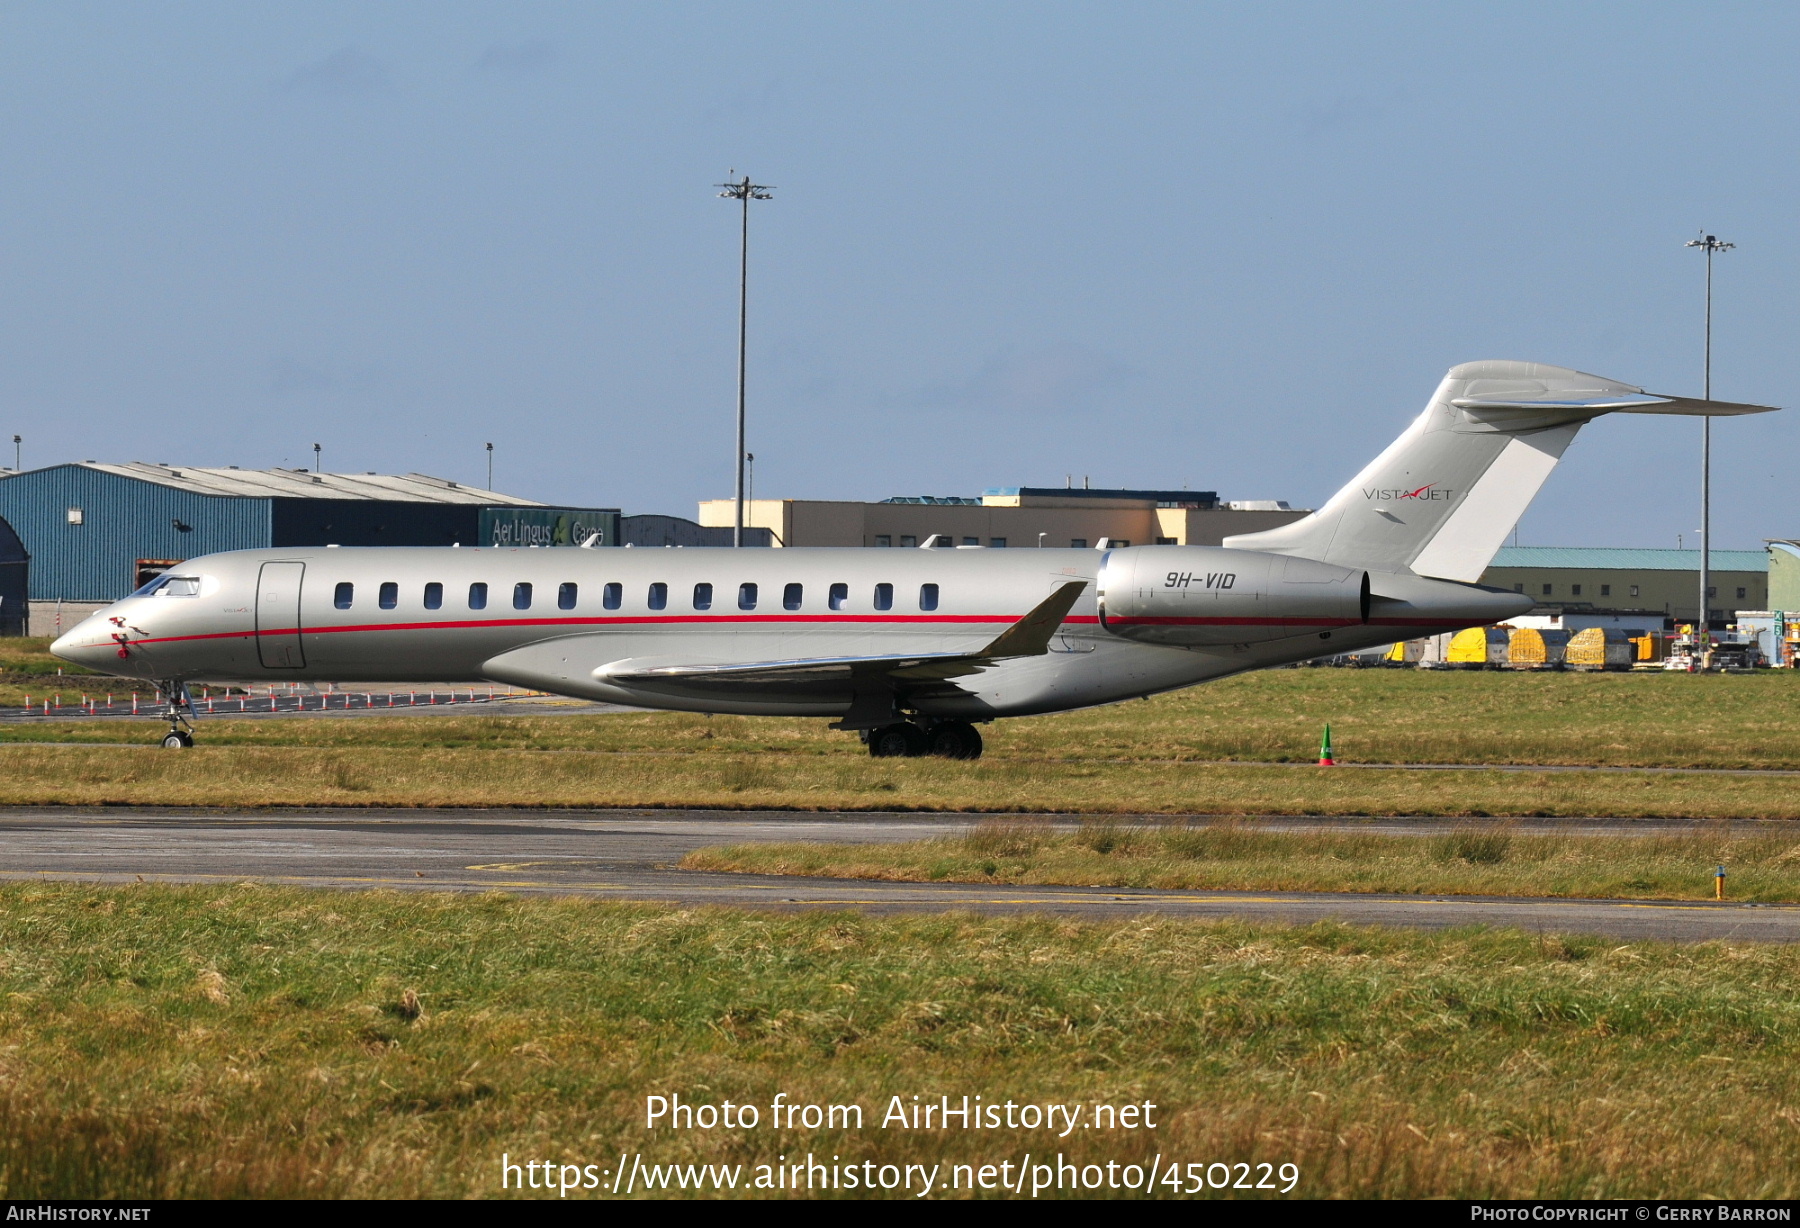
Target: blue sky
1230,247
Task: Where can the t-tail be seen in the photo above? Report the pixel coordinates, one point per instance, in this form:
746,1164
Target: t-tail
1442,498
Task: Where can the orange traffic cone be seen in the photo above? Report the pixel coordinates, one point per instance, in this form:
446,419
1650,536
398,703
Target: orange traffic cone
1325,759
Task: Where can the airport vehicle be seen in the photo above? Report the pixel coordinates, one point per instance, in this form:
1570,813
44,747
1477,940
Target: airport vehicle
910,648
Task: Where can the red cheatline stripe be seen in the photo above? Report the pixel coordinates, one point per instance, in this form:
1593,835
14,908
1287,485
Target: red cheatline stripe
806,619
622,620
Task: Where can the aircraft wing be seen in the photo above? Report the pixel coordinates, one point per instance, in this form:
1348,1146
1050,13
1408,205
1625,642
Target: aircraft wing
1028,637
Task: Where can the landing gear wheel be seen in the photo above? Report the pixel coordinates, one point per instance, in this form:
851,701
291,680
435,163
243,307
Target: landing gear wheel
178,739
897,740
956,740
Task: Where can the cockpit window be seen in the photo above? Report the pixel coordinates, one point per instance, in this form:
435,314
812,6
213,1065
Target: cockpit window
171,586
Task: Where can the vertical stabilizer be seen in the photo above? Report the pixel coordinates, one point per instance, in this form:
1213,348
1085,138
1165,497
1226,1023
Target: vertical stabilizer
1442,498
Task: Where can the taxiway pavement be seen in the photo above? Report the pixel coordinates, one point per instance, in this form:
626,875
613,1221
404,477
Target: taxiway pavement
631,856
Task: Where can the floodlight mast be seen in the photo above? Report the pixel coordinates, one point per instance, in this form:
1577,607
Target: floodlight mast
746,192
1711,245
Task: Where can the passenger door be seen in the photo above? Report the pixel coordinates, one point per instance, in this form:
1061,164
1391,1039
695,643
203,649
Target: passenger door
278,615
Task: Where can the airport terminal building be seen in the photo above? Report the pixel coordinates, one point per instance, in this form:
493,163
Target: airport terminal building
94,532
1010,517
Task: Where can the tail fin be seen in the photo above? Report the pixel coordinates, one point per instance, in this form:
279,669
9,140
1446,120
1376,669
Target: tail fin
1443,497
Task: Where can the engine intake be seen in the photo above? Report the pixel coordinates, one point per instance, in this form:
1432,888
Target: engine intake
1189,596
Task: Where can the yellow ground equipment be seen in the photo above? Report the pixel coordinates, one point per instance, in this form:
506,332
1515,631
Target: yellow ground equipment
1478,648
1531,648
1603,648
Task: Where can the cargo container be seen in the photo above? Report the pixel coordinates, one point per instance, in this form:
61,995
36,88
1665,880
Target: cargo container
1478,648
1535,648
1602,648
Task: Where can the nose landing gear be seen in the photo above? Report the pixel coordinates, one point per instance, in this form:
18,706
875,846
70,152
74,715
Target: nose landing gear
945,739
180,709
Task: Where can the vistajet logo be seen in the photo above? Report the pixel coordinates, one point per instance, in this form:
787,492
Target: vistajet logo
1429,493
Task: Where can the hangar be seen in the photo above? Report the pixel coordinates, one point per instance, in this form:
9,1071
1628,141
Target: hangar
97,531
1662,582
15,583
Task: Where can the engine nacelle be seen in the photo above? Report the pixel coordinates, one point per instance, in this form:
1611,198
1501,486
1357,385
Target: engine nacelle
1189,596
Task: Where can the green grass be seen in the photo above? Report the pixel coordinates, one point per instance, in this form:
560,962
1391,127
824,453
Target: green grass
1159,757
1229,856
235,776
169,1042
27,668
1376,716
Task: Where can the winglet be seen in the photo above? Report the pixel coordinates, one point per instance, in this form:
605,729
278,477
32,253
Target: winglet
1030,636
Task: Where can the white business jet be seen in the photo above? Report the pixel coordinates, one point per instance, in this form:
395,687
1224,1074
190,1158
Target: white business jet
910,648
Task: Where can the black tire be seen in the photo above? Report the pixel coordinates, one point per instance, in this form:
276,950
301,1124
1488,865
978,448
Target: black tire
177,739
956,740
901,739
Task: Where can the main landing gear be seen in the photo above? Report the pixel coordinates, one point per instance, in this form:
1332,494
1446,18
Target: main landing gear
946,739
181,707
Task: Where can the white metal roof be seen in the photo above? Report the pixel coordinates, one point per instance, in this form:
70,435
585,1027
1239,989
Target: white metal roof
305,484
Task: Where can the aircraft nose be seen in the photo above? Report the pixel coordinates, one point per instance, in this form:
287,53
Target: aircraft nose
88,646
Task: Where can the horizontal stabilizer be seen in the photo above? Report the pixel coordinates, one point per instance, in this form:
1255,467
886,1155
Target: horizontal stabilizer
1515,413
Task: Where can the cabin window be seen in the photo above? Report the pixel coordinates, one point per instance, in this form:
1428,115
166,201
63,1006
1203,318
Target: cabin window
909,539
840,596
746,596
659,596
478,596
434,596
999,543
790,597
928,594
1078,543
884,539
388,596
703,596
884,596
522,595
565,596
611,595
345,594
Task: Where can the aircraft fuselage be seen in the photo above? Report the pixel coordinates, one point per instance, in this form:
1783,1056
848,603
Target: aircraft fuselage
598,624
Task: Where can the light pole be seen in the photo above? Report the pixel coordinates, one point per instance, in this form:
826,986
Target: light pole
317,452
490,452
1711,245
745,191
17,441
